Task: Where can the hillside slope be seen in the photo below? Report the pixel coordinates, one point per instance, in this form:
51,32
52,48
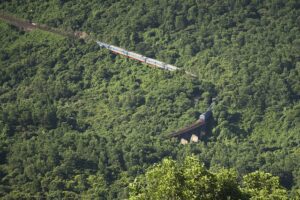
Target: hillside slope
88,121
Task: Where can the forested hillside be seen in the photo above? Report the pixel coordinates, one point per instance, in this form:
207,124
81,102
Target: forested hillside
79,122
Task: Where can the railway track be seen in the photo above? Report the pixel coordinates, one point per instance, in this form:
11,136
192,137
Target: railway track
191,127
29,26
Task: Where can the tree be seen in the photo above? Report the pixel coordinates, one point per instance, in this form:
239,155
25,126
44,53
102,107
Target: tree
97,188
180,22
261,185
190,180
160,182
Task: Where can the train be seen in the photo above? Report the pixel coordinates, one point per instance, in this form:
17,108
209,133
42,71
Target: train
138,57
205,116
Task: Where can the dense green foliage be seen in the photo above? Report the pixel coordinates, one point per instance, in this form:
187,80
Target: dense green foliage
78,114
77,121
190,180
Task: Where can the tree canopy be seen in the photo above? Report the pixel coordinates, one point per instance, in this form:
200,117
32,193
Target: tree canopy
79,122
190,180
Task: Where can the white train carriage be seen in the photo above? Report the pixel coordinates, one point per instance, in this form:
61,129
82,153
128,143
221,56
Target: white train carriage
138,57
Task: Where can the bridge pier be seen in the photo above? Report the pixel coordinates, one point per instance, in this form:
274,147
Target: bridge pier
184,141
194,138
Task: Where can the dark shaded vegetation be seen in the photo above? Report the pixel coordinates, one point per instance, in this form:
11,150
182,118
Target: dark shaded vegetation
77,121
